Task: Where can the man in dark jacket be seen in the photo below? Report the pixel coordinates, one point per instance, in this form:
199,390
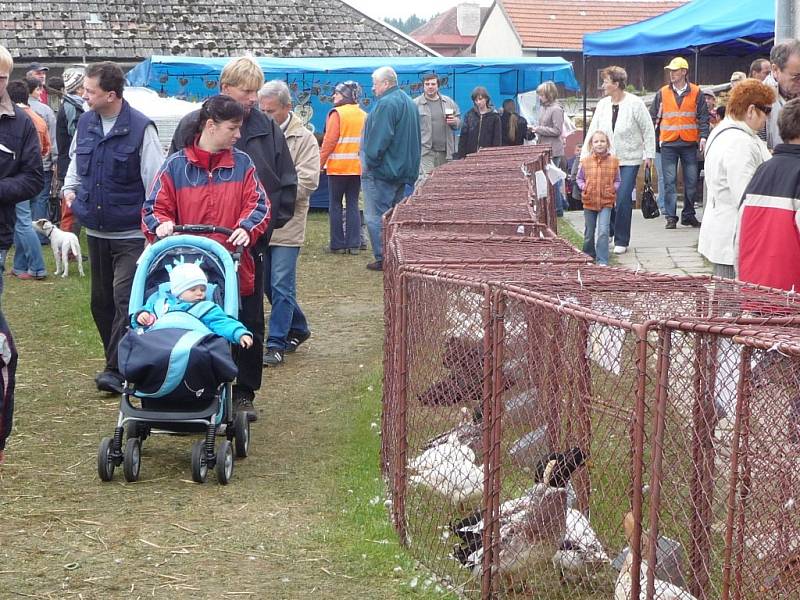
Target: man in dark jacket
263,140
115,155
21,178
390,154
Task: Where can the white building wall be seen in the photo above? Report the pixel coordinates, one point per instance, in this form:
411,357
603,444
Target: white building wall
497,37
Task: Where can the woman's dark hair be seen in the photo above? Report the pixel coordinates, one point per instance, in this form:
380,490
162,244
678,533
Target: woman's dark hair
217,108
513,119
789,121
17,91
481,91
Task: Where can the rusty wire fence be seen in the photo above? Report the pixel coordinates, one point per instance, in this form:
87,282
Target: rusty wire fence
556,429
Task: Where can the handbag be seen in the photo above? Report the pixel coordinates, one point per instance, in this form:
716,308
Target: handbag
649,204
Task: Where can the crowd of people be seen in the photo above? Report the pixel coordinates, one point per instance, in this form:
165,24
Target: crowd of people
247,162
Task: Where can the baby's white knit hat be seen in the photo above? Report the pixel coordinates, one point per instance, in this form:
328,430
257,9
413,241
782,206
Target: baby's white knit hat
185,276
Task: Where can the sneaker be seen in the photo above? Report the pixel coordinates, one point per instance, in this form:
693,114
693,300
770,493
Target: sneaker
354,251
273,357
329,250
375,266
672,222
690,222
109,381
294,340
243,402
620,249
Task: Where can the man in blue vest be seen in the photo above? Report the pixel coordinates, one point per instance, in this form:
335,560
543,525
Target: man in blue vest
114,155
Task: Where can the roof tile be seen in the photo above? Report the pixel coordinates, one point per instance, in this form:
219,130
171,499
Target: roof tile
134,30
561,24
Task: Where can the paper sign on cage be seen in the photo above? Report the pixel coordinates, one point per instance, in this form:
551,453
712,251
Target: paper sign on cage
541,184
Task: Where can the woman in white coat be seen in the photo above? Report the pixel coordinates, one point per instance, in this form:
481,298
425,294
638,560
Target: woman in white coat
732,154
626,118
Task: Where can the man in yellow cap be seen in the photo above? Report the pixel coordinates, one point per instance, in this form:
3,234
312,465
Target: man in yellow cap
681,115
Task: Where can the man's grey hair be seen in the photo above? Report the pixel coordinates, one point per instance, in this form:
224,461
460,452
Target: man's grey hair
386,74
276,89
780,53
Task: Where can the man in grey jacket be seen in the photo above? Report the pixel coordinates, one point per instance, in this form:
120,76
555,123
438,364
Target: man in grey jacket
439,118
785,79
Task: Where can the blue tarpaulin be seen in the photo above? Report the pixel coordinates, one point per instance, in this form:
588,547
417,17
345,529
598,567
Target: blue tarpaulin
710,27
312,80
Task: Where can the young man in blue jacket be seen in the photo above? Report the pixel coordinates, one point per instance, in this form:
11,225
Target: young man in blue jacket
21,178
390,154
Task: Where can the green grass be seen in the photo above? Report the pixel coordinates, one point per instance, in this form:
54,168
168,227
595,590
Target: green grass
567,231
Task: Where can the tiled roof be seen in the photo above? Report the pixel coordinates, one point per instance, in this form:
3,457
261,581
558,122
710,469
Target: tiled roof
561,24
125,29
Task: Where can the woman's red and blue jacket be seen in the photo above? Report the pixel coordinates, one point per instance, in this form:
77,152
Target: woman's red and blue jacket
230,195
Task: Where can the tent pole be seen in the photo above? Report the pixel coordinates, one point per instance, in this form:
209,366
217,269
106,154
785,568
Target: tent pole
585,91
697,65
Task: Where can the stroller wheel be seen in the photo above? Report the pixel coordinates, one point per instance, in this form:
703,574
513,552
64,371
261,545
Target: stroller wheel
199,464
224,462
137,429
241,434
105,464
132,462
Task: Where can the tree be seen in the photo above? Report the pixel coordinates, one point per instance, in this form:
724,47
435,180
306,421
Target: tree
409,24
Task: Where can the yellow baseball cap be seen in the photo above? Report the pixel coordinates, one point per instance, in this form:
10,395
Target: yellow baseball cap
677,63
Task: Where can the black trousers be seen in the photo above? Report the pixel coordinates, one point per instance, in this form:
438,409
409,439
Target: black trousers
113,265
251,315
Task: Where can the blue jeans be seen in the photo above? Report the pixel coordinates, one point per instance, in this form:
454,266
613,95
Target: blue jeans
596,222
40,205
670,155
280,267
28,250
660,174
379,196
624,206
347,234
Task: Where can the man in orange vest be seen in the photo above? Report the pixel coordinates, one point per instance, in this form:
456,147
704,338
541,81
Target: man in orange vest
680,112
339,156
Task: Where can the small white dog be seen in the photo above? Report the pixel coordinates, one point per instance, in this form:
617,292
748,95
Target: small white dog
63,243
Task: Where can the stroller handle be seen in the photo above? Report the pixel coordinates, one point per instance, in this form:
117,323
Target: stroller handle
203,229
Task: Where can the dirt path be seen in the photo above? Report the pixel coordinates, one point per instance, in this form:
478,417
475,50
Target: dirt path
272,533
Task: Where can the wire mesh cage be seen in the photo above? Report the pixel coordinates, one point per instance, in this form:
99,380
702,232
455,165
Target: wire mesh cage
556,429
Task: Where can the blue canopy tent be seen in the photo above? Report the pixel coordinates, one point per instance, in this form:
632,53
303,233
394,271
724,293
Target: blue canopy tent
311,80
706,27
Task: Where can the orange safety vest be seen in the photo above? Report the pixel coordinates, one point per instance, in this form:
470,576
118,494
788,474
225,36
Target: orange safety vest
344,159
679,122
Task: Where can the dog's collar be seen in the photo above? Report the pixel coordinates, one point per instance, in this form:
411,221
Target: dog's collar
49,233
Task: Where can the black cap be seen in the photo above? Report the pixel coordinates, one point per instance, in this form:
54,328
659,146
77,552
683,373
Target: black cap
37,67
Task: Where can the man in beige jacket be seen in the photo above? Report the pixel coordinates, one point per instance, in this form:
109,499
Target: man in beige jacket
288,327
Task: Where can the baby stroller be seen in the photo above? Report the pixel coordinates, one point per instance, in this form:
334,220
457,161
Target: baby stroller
178,375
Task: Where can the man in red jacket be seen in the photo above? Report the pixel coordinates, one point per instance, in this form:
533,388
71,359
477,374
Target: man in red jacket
769,218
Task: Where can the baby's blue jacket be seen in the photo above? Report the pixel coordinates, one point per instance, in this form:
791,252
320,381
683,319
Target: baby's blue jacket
208,312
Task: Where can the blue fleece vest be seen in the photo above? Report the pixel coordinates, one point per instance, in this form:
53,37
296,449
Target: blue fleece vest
111,192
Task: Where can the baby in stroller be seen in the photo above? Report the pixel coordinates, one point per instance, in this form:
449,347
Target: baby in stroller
176,358
188,285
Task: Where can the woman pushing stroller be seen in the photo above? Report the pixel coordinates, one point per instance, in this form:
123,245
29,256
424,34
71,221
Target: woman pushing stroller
209,182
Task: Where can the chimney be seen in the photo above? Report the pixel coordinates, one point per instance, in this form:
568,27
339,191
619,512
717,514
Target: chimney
468,18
